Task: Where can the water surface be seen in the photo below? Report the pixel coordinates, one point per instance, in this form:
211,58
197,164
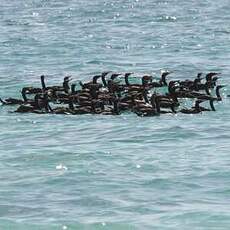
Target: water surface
121,172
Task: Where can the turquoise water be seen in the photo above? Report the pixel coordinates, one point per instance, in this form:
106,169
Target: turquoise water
121,172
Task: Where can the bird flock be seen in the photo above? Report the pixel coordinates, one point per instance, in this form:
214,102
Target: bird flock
112,93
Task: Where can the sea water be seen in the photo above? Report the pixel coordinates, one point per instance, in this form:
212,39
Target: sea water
113,172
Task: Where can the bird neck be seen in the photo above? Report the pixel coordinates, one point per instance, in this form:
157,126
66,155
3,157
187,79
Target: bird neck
207,89
163,79
95,79
73,89
103,80
218,92
24,95
212,105
66,86
145,95
127,80
43,82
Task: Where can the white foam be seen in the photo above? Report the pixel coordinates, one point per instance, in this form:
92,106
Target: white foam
61,167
